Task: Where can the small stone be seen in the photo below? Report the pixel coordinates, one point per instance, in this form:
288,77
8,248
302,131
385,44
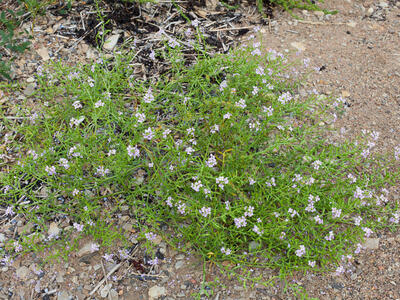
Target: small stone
353,276
63,296
60,277
23,273
371,243
369,12
86,249
156,291
179,257
113,294
30,89
105,290
127,227
124,208
157,240
179,264
298,45
53,229
345,94
352,24
30,80
383,4
319,14
111,42
2,238
44,54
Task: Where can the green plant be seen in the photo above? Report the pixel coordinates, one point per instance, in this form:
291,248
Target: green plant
9,22
224,151
289,5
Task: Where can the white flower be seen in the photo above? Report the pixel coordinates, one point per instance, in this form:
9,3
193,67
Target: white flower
99,104
205,211
148,134
76,122
197,185
214,128
241,103
301,251
336,212
221,181
133,151
268,110
51,170
77,104
223,85
211,162
148,97
189,150
227,116
140,117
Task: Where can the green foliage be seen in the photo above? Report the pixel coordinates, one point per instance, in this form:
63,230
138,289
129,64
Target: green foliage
8,24
289,5
225,152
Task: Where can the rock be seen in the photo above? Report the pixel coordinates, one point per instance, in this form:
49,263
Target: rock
345,94
179,264
319,14
60,277
91,54
111,42
179,257
298,45
44,54
105,290
23,273
371,243
383,4
113,294
157,240
30,89
30,80
127,227
124,208
369,12
352,24
53,229
2,238
86,249
156,291
63,295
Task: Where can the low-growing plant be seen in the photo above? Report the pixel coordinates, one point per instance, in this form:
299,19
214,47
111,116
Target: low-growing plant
223,151
9,22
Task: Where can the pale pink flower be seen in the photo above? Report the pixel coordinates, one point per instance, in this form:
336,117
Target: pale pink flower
301,251
51,170
99,104
205,211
